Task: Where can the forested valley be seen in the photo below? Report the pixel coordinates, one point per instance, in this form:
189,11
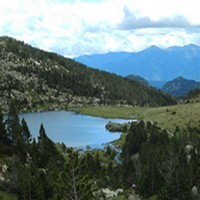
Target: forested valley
153,163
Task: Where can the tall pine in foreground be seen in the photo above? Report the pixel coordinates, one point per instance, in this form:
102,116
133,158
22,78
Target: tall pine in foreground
13,127
46,150
72,183
4,139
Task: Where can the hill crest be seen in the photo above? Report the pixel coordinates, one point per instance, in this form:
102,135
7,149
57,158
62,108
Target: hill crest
41,80
180,86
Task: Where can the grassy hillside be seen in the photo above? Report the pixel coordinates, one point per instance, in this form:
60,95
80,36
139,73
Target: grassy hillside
7,196
169,117
41,80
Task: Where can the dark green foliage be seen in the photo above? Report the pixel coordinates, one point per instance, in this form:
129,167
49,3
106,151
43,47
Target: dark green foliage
17,134
47,150
194,93
32,166
97,162
13,126
168,167
150,180
180,184
91,164
3,134
195,163
72,183
128,172
192,96
108,150
137,135
110,169
26,136
35,167
161,165
4,138
32,183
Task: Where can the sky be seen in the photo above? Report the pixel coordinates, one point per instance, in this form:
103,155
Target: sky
78,27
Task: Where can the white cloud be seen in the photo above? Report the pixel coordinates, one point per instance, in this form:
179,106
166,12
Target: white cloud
75,27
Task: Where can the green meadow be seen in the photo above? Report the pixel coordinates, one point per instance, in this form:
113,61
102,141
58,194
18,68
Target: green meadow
168,117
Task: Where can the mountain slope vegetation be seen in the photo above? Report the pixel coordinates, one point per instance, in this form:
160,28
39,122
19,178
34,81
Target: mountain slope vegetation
193,96
137,78
180,86
38,79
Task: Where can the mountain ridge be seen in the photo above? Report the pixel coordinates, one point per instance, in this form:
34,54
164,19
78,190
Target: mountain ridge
180,86
153,63
37,79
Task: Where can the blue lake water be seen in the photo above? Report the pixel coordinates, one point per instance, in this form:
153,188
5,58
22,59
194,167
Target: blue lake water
72,129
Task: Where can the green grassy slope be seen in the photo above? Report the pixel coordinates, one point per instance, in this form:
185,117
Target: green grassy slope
168,117
7,196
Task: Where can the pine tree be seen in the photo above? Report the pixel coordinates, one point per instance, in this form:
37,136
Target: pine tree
151,180
32,183
90,163
178,176
195,165
108,150
97,163
136,136
26,136
72,183
4,139
47,150
18,134
3,135
13,126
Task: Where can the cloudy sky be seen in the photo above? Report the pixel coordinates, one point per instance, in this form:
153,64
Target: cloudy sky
77,27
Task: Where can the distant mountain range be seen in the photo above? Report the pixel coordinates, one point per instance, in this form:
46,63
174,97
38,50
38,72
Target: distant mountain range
180,86
39,80
153,63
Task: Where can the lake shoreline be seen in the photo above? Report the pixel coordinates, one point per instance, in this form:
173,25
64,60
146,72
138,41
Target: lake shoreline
72,128
88,110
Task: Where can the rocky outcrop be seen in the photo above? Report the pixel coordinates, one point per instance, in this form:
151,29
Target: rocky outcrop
117,127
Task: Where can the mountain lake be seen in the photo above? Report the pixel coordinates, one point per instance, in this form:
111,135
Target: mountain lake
72,129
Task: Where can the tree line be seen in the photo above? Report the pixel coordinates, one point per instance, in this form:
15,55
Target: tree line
162,165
